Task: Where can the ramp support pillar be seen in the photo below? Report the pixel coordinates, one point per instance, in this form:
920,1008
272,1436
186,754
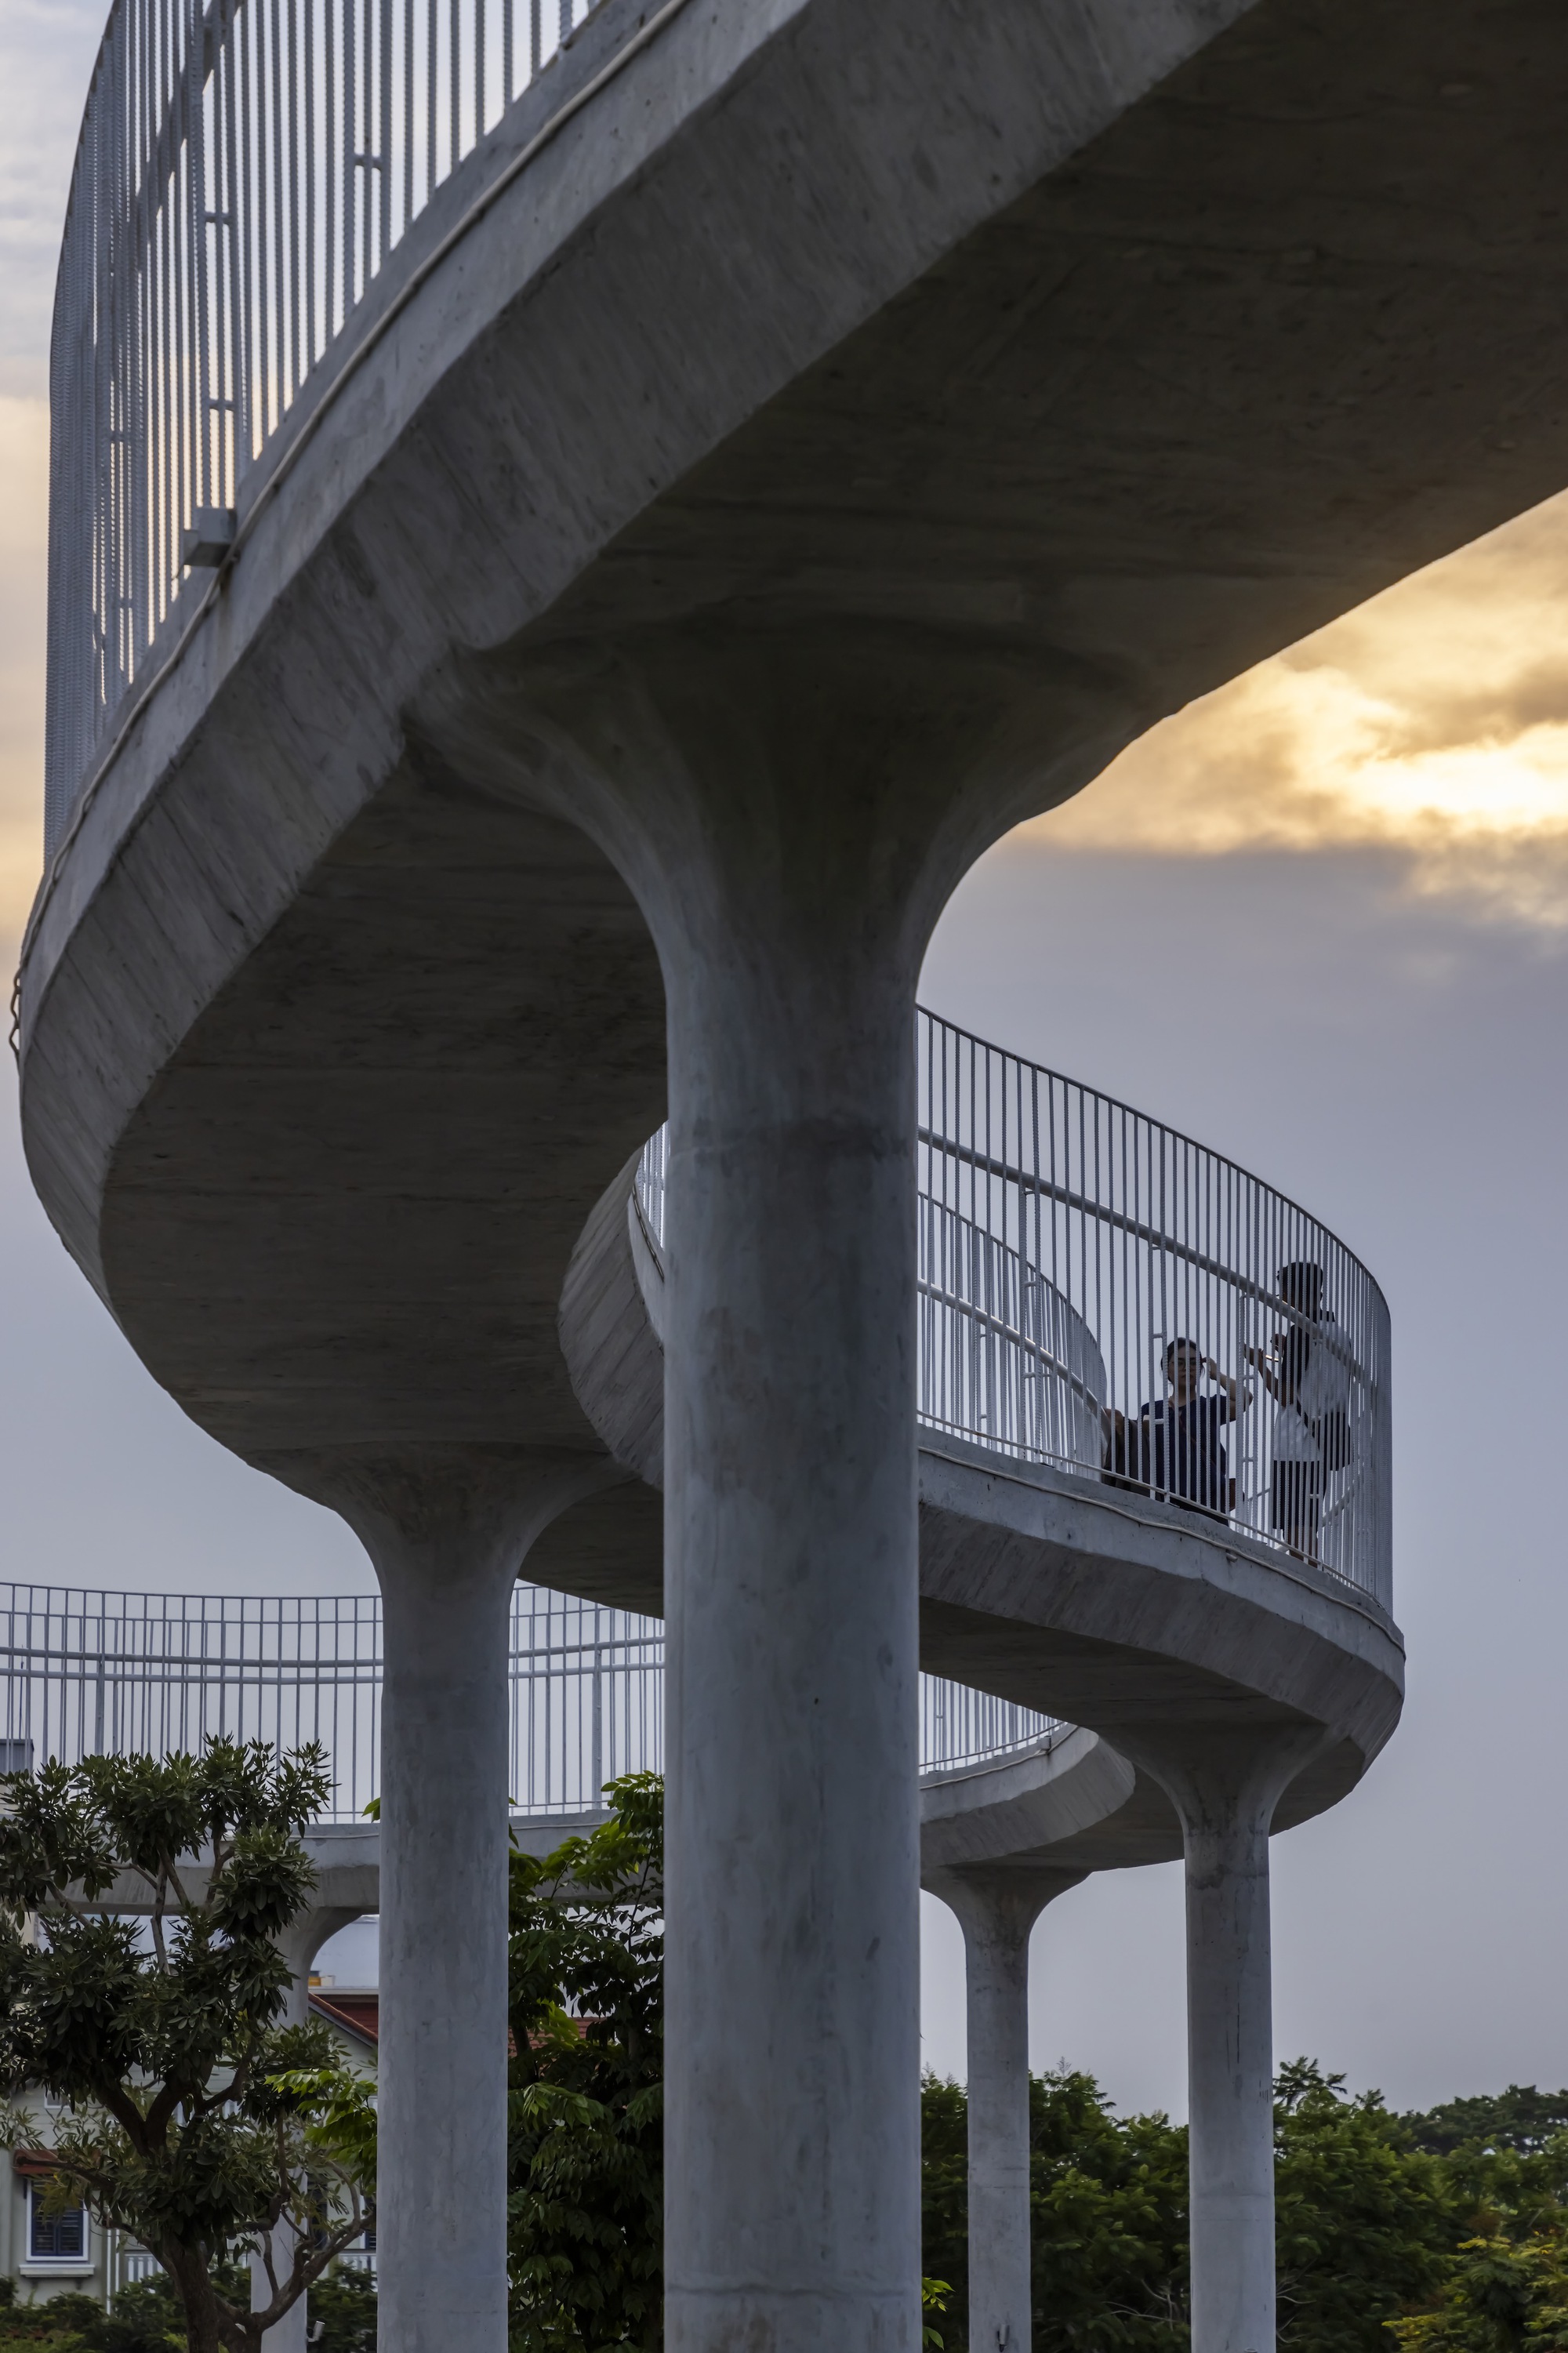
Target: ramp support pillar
997,1905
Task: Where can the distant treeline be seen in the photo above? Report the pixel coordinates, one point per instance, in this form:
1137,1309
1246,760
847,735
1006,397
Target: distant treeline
1440,2232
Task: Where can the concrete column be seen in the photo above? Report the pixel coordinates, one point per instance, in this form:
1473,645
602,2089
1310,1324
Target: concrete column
791,806
1230,2077
300,1942
448,1530
997,1906
791,2180
1225,1794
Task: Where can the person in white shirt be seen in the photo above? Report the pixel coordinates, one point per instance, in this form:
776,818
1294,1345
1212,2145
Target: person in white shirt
1308,1375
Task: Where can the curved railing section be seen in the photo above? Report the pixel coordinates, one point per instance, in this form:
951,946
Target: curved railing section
1100,1294
85,1672
245,169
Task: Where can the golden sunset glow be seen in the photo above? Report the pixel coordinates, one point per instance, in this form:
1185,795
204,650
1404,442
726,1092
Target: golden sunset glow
1432,722
24,540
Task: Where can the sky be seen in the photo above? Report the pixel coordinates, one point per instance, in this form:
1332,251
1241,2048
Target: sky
1319,919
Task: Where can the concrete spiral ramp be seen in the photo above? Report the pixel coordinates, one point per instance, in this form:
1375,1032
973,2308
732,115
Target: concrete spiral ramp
803,438
1120,1613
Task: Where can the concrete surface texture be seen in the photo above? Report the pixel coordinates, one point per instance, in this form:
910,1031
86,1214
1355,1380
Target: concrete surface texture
850,432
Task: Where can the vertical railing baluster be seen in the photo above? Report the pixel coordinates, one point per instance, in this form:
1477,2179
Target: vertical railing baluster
455,79
383,138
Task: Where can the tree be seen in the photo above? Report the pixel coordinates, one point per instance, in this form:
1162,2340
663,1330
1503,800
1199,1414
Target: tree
1504,2158
1521,2118
1500,2295
57,2327
1108,2197
586,2084
1364,2223
193,2120
1109,2205
944,2196
342,2313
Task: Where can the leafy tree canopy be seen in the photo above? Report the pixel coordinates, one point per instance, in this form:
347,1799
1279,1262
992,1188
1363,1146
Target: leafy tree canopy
1367,2223
1362,2222
586,2084
148,2318
193,2119
1521,2118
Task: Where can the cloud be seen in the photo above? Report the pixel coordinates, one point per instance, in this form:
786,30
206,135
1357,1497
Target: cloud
1432,722
23,519
46,51
1430,725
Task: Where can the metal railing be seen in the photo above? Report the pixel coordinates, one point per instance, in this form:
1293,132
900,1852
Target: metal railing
244,169
86,1673
1099,1292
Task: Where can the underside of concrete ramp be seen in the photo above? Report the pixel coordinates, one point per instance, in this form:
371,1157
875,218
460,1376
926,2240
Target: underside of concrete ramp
1066,360
1072,1799
1088,353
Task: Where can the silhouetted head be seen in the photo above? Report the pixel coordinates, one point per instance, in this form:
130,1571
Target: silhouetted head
1300,1285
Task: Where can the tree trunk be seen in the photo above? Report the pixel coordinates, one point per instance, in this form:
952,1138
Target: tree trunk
192,2285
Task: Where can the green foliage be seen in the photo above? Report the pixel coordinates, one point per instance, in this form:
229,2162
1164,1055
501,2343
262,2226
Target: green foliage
185,2124
586,2084
1364,2223
62,2323
147,2315
944,2194
148,2318
934,2293
1369,2221
338,2110
1504,2286
1500,2295
1521,2119
1110,2203
343,2307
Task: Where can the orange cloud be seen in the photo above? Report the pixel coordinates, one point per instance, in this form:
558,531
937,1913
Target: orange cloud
1433,721
23,542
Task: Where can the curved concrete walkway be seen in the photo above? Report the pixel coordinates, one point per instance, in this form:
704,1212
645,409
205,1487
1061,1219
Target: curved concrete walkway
1245,1692
850,394
1151,1624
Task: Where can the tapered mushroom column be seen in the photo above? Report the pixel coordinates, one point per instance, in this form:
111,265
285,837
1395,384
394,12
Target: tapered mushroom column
791,806
449,1530
997,1906
1224,1791
792,1845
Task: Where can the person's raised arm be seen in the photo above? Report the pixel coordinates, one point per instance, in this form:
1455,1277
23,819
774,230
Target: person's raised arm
1262,1366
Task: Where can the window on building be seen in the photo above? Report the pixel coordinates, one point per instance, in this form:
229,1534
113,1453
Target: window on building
54,2238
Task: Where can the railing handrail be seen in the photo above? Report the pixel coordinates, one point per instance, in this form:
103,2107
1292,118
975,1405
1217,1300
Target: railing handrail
242,176
1175,1134
1013,1351
1138,1230
586,1683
